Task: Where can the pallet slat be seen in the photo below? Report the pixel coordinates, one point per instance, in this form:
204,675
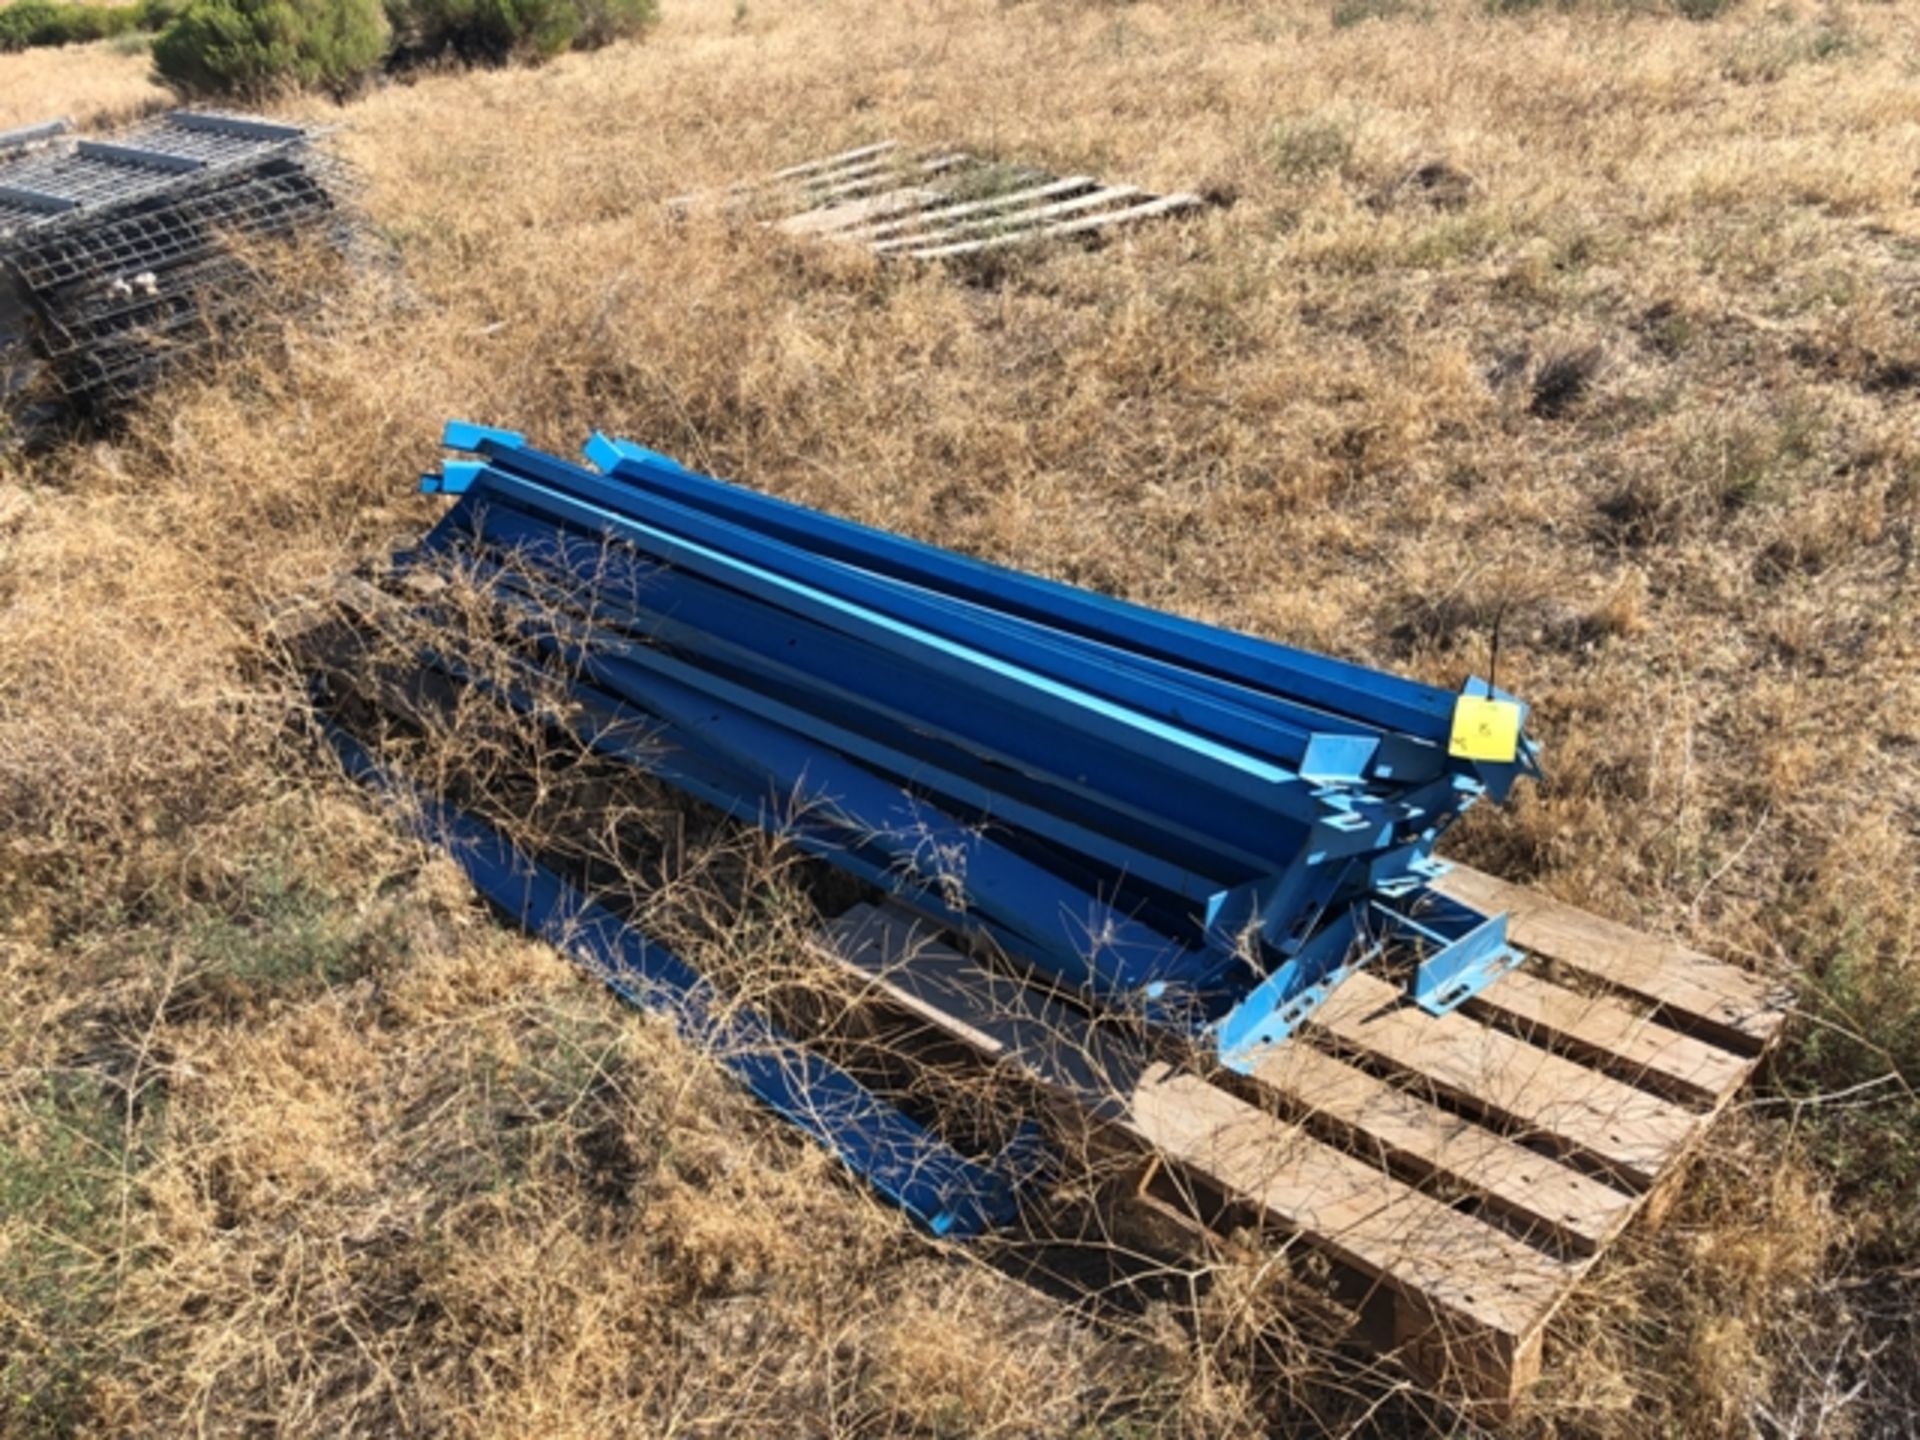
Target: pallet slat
1017,220
1164,205
835,218
829,181
1609,1032
1467,1273
885,175
1577,1210
1068,186
1730,1005
795,175
1369,1220
1628,1130
997,1016
845,157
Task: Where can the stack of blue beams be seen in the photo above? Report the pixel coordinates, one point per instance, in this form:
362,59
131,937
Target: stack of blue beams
1149,810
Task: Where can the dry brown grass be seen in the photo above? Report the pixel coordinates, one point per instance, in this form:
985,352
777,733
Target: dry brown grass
94,84
296,1137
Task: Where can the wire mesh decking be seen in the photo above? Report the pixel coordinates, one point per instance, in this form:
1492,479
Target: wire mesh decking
17,142
119,257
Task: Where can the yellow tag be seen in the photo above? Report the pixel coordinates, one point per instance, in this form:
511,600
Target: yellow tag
1485,729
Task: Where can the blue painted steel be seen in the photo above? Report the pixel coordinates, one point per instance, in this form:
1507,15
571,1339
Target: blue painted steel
612,661
1338,685
1327,749
1315,755
1138,804
1316,745
469,436
1423,713
838,805
683,758
455,478
1192,754
679,610
1182,647
1273,1009
1457,950
942,1189
1314,871
1087,942
884,555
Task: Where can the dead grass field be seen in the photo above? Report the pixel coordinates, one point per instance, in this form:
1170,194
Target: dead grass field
94,84
295,1138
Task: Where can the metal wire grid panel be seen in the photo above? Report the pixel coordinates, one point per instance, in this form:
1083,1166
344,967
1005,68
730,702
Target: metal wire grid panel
124,256
49,184
269,199
18,142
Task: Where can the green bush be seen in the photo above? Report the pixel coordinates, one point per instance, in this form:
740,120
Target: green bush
43,22
252,49
495,31
255,48
157,15
22,24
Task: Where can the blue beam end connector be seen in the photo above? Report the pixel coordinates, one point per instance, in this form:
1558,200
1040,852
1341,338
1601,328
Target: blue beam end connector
1458,951
606,453
455,477
466,435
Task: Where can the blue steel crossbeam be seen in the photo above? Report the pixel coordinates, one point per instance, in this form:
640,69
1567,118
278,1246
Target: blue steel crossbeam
1158,812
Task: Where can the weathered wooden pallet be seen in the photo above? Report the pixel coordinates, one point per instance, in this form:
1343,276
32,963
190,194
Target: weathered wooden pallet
936,204
1467,1169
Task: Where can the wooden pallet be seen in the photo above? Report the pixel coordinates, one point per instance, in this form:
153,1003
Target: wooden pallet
937,204
1468,1169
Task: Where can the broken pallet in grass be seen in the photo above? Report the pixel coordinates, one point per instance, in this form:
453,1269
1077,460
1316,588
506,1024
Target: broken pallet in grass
937,204
1465,1170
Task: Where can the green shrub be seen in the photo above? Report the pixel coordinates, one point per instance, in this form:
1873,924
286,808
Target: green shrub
255,48
495,31
43,22
157,15
604,21
21,24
